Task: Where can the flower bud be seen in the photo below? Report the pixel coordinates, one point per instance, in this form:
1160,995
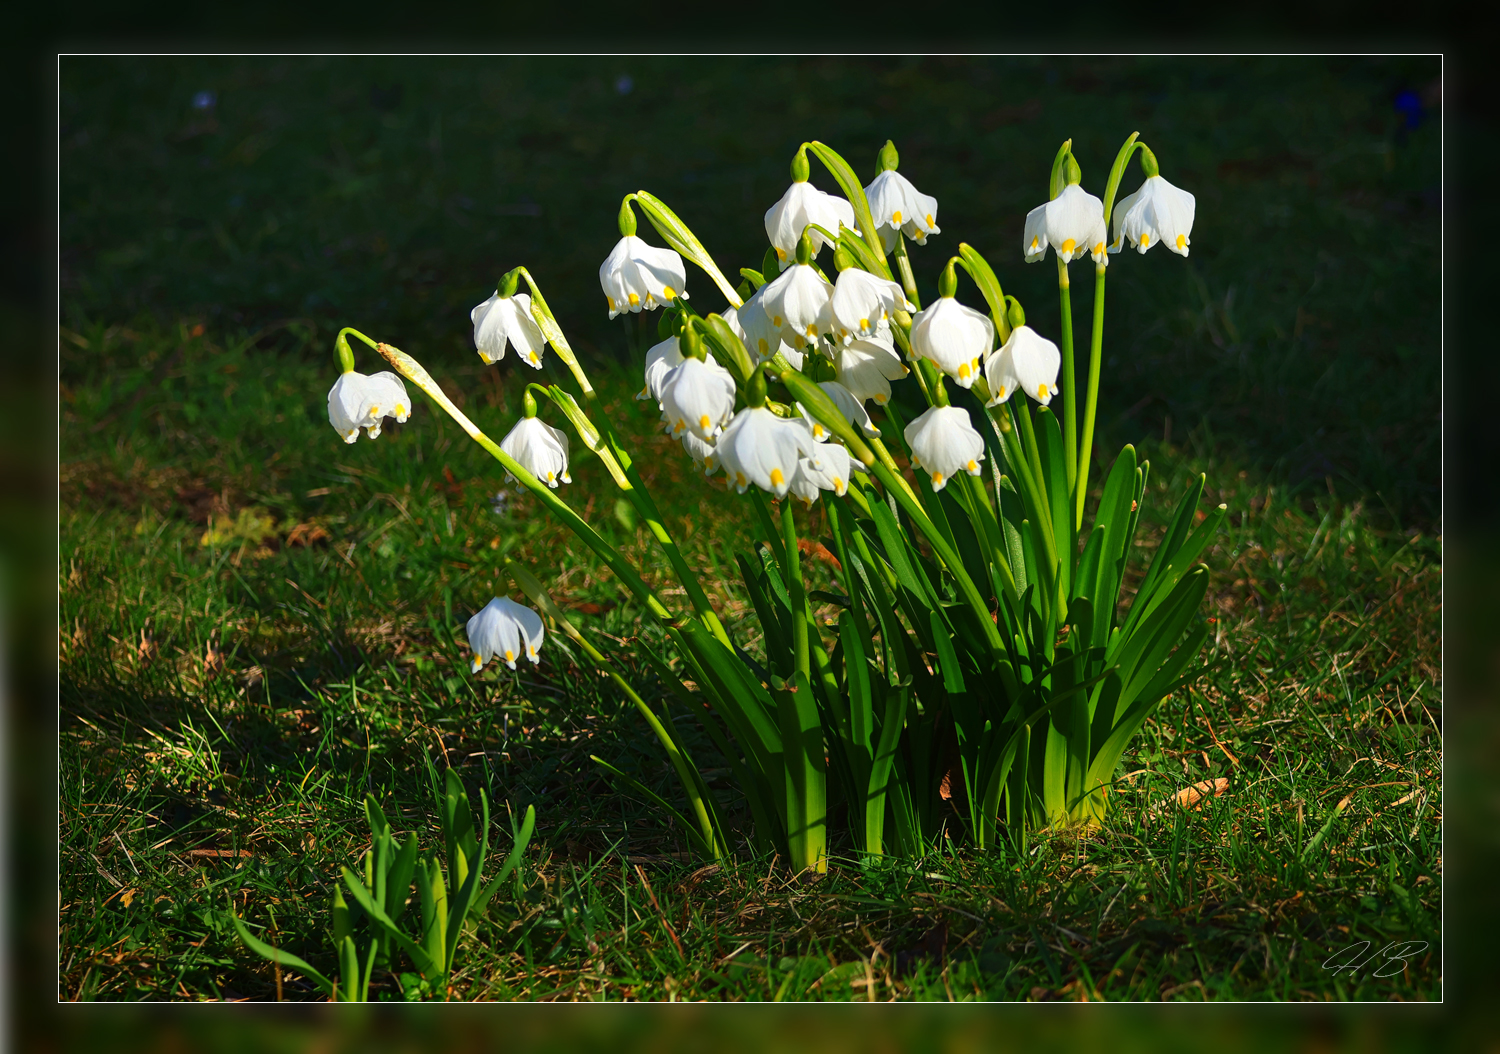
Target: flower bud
805,248
842,260
1074,173
755,388
800,167
1148,162
1014,314
888,159
528,403
627,220
345,355
948,281
507,286
690,343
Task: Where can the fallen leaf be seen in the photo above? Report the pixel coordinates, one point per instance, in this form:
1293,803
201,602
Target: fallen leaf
1188,797
219,854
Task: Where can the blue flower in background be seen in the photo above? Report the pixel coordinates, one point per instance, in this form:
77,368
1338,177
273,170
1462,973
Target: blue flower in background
1409,105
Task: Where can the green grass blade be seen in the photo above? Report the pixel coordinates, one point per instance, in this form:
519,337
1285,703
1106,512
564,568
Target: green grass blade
276,955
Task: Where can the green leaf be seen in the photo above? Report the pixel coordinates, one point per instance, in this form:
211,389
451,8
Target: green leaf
419,957
689,828
276,955
518,846
676,234
984,277
855,192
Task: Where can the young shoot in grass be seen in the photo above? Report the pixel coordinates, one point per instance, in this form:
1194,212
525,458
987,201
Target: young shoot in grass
981,673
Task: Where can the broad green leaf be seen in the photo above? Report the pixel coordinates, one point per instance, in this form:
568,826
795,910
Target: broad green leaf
276,955
678,236
855,192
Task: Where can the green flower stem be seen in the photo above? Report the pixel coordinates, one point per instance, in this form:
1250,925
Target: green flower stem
341,348
1029,471
768,529
1070,412
908,280
796,589
687,773
1096,350
547,321
972,490
413,371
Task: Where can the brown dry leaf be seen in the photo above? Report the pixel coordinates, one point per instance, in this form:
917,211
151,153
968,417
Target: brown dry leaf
306,534
1189,797
219,854
126,897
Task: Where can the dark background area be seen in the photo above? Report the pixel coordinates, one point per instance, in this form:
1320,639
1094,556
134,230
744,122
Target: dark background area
423,294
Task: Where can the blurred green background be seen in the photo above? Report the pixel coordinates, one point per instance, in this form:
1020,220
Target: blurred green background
289,196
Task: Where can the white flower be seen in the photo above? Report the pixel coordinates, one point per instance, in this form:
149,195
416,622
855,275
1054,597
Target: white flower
896,205
1072,223
867,368
944,443
832,469
763,339
501,319
356,401
1157,212
852,409
798,304
661,360
503,629
760,448
705,454
802,204
1028,361
697,396
802,485
956,338
862,303
540,449
636,275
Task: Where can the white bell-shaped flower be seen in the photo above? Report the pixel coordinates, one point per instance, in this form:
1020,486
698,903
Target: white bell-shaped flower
1071,223
636,275
504,630
501,320
867,368
358,401
705,454
801,205
760,448
832,470
697,397
802,486
1028,362
896,205
862,303
797,302
661,360
943,443
956,338
1157,212
540,449
852,409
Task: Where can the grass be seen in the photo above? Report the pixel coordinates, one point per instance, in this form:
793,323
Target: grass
260,625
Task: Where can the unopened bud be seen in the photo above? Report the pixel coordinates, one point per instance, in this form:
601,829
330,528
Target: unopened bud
755,388
528,403
800,167
805,248
690,344
947,281
888,159
627,220
1074,173
507,285
1014,314
345,355
1148,162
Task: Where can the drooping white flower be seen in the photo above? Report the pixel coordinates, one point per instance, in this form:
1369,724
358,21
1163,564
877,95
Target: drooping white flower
797,302
760,448
1028,362
504,630
833,469
1157,212
1071,223
636,275
862,303
507,319
540,449
896,205
801,205
852,409
358,401
943,443
705,454
661,359
802,485
956,338
867,367
698,397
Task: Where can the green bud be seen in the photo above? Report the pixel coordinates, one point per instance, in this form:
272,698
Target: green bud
755,388
770,266
1074,173
344,354
1148,162
627,219
690,344
800,167
1013,314
508,284
528,403
805,248
888,159
948,281
842,260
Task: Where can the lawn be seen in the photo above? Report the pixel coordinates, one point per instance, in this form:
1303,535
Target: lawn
259,625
